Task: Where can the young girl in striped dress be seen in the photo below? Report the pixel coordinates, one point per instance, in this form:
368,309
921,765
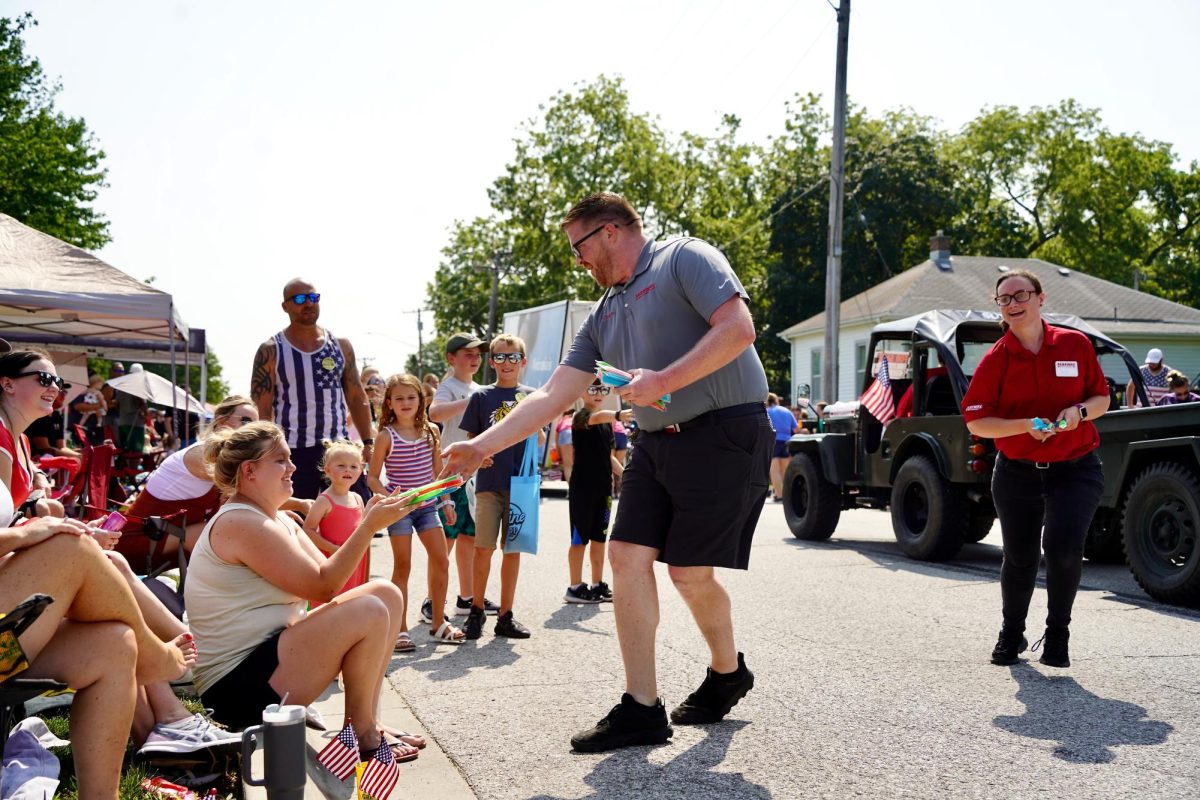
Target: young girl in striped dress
337,511
407,453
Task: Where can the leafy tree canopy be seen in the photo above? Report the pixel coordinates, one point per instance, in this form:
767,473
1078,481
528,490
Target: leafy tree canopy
50,166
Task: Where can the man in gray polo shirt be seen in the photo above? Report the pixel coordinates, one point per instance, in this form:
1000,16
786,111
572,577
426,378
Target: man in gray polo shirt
674,315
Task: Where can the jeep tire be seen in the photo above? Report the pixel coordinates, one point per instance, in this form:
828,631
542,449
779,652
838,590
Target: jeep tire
929,515
811,504
1161,530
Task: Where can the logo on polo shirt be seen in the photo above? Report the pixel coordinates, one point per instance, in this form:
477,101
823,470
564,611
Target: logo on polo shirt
644,292
608,316
976,407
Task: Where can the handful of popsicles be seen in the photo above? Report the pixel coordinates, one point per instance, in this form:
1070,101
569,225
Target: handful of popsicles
427,492
611,376
1042,426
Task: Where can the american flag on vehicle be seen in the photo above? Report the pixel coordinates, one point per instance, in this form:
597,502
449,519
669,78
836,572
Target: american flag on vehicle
878,396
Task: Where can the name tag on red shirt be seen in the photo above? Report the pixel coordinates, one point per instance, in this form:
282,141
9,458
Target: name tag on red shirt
1066,369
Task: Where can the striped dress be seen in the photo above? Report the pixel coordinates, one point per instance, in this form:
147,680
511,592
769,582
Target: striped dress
408,464
309,403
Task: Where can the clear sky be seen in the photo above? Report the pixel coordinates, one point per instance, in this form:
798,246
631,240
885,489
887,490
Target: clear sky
250,142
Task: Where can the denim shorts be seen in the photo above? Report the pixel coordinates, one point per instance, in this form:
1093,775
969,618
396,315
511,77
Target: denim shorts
420,520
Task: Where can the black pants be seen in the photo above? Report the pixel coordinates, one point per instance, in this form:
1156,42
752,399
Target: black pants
308,481
1052,508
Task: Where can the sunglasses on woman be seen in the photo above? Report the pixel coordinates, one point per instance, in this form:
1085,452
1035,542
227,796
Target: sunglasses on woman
512,358
308,297
46,379
599,389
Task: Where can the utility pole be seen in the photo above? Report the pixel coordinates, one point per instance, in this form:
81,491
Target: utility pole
496,267
837,179
420,347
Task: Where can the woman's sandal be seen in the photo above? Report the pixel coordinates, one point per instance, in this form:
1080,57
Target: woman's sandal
448,634
411,739
400,751
404,644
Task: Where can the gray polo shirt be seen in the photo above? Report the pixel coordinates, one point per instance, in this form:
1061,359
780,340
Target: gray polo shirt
658,316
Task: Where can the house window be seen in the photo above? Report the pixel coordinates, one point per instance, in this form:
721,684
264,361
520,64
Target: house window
860,364
814,371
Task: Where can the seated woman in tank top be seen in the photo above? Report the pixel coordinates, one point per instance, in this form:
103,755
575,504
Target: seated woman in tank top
252,573
181,483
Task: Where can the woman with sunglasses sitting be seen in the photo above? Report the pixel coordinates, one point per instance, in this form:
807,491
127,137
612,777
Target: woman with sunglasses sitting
29,387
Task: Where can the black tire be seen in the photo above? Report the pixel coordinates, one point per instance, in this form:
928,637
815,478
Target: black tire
928,514
979,523
1161,529
1104,544
811,504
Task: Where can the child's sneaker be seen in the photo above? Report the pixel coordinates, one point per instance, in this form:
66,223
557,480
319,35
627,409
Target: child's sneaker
427,611
580,594
462,606
507,626
602,592
474,627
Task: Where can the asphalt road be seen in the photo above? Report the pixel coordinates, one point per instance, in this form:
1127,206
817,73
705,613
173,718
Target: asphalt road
872,681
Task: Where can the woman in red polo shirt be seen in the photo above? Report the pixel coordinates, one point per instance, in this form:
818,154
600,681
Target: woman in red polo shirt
1046,484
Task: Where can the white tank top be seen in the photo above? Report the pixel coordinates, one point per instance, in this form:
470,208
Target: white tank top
173,481
231,609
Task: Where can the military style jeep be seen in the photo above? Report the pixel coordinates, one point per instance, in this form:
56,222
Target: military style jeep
935,476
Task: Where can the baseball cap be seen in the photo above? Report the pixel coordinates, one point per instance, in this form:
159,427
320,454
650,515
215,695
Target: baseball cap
1155,356
458,341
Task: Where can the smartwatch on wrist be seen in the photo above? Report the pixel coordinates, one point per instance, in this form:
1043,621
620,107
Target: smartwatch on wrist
1082,409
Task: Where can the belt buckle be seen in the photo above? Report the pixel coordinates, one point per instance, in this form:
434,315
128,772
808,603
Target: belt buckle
1042,464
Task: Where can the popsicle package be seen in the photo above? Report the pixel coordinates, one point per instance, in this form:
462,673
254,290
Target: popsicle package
611,376
1039,425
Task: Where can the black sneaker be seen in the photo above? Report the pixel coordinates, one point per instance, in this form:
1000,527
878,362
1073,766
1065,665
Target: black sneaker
462,607
628,724
474,627
1010,644
427,611
602,591
1054,647
507,626
580,594
712,701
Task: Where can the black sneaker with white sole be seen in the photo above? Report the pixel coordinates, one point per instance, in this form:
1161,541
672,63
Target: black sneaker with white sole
717,694
462,607
580,594
602,591
628,724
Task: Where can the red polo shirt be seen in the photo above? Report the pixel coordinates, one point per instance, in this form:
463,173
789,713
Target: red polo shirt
1013,383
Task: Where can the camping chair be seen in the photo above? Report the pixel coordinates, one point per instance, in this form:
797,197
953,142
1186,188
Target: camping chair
15,690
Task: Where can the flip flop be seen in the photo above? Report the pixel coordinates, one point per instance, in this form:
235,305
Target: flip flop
411,739
401,752
447,634
404,644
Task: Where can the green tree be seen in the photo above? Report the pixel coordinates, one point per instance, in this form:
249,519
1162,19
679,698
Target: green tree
1054,183
49,163
218,388
898,191
430,358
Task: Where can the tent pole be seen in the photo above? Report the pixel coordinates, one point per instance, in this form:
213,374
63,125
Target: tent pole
174,385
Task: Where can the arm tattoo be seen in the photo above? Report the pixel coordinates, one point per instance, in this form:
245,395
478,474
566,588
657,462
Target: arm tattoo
262,382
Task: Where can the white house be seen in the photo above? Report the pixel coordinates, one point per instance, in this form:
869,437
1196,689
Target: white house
1137,320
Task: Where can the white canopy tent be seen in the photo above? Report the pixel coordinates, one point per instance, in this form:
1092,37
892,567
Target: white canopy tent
55,294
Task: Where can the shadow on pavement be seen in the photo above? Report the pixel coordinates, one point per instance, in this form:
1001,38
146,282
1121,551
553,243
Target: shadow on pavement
568,617
444,662
1085,726
630,774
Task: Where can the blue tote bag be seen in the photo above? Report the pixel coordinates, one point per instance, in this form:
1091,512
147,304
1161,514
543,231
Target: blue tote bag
524,495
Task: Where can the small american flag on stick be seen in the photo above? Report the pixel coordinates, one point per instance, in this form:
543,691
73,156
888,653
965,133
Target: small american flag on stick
878,396
340,756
